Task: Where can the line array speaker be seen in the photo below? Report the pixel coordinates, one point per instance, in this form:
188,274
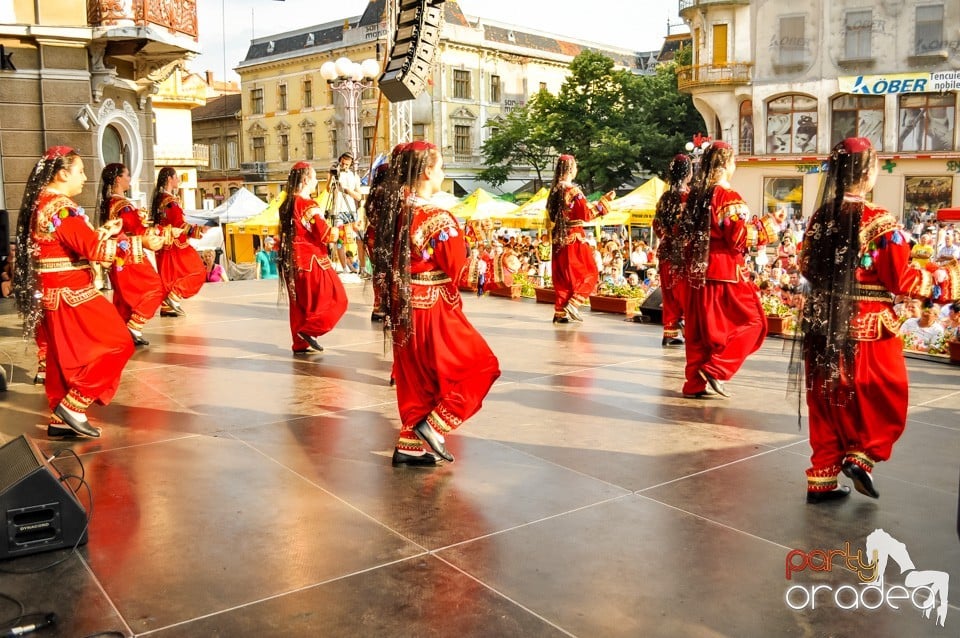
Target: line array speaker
40,511
415,42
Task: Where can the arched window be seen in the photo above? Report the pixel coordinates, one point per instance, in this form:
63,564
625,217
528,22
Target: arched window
746,127
112,147
926,122
791,125
857,116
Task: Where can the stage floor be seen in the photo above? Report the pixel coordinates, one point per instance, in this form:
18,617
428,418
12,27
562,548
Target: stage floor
242,491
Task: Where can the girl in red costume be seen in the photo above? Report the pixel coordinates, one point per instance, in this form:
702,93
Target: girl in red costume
181,269
376,200
443,367
666,224
137,288
87,341
725,321
575,273
856,259
317,298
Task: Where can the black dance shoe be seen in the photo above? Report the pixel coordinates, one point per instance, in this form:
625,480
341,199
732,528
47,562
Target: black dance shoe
377,317
311,340
60,432
79,427
671,342
716,384
558,319
862,479
840,493
696,395
41,378
429,436
413,460
138,340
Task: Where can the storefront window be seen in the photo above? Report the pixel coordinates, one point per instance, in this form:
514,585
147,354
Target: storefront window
783,193
792,125
926,122
857,116
927,195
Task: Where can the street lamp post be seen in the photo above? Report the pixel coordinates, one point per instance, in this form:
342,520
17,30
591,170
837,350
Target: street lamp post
350,79
696,149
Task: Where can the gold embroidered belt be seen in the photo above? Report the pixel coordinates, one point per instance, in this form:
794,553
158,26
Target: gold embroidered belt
430,278
574,222
871,292
60,264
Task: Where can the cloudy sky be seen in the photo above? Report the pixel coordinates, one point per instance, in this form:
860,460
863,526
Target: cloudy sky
634,24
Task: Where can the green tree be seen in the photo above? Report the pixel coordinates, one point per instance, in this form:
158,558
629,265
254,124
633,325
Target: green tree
518,140
587,120
665,119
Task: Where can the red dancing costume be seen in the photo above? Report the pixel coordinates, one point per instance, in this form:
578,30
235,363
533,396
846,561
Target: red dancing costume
181,269
673,285
859,422
317,298
575,272
725,321
443,368
137,288
87,341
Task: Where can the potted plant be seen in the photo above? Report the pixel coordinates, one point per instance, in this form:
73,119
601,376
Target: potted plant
545,293
617,298
512,291
777,312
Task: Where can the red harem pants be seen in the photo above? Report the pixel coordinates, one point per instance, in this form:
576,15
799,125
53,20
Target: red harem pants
443,372
673,292
88,346
137,292
575,274
319,303
872,414
181,270
724,325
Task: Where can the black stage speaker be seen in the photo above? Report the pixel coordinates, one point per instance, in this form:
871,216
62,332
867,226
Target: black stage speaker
652,306
40,511
415,41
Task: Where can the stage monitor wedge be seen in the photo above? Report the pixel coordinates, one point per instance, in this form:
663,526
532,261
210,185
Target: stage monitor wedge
40,512
416,38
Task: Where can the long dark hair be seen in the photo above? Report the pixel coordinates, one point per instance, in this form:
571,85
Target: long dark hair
391,251
285,264
831,256
162,178
669,211
556,201
695,232
26,284
107,179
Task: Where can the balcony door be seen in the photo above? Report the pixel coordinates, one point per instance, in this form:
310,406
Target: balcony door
719,45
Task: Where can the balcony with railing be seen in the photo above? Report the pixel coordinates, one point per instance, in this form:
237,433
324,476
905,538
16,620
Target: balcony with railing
197,155
711,75
687,5
162,20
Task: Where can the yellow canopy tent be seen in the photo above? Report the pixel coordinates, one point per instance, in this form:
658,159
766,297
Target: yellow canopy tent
482,205
240,246
532,214
640,204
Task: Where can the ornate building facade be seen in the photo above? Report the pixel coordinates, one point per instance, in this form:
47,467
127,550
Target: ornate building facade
83,74
785,81
484,69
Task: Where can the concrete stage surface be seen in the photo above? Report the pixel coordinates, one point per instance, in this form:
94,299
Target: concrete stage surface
239,490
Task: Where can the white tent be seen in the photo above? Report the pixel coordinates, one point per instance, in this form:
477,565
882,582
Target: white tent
239,206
